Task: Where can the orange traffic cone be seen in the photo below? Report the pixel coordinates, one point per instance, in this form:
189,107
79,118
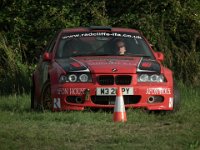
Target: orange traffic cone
119,110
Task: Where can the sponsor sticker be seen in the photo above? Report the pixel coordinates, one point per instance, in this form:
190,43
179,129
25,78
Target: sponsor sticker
151,91
56,103
111,63
146,64
171,101
70,91
99,34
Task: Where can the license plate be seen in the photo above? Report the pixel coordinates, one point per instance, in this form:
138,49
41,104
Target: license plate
112,91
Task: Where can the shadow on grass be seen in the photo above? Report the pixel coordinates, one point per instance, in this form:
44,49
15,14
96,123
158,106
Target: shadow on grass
22,103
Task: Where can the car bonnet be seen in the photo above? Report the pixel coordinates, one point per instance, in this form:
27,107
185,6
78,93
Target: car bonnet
101,65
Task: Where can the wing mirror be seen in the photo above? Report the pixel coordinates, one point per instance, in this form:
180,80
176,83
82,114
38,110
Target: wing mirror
46,56
159,56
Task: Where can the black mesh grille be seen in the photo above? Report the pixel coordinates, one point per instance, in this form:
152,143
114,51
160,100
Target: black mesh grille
110,100
106,80
110,80
123,80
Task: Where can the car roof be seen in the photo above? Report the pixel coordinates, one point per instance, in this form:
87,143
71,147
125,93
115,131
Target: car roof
99,29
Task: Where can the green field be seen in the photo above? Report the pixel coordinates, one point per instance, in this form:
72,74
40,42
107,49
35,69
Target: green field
21,128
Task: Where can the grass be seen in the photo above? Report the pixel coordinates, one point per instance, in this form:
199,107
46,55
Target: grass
21,128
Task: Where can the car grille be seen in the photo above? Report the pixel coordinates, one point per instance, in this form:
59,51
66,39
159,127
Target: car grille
110,100
118,80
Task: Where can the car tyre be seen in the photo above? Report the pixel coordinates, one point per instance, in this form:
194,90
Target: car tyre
33,101
46,102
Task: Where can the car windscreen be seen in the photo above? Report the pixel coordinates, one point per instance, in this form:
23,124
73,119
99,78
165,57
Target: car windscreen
100,44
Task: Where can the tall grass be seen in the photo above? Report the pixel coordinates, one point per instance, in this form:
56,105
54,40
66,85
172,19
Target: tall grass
14,72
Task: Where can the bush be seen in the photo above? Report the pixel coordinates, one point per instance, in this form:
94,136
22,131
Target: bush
14,74
172,26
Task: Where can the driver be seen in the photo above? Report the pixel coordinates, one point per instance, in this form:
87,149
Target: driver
120,47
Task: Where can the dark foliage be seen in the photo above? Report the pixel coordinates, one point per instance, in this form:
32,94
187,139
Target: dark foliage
172,26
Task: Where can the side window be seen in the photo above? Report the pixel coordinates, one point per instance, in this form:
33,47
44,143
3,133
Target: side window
51,44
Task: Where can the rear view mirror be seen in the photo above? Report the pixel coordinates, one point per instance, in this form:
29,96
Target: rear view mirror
159,56
46,56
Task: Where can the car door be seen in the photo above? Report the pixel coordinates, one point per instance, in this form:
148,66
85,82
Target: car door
41,72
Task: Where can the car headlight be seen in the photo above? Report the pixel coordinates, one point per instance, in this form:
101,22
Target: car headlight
156,78
63,79
151,78
83,77
143,78
78,77
72,78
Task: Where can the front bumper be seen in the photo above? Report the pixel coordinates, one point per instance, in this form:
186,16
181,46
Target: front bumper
81,96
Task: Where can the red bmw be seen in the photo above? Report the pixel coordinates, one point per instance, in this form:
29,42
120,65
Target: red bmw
82,67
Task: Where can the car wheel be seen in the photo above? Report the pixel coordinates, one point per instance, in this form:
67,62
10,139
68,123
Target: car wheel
177,99
46,102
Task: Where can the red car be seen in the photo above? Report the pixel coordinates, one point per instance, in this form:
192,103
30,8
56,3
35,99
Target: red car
83,67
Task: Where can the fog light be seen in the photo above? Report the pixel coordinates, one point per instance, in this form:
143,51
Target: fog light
155,99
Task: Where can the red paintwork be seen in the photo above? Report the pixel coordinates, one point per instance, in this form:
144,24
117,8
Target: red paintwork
100,65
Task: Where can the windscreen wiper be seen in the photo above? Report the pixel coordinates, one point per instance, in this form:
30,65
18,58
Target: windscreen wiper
136,55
